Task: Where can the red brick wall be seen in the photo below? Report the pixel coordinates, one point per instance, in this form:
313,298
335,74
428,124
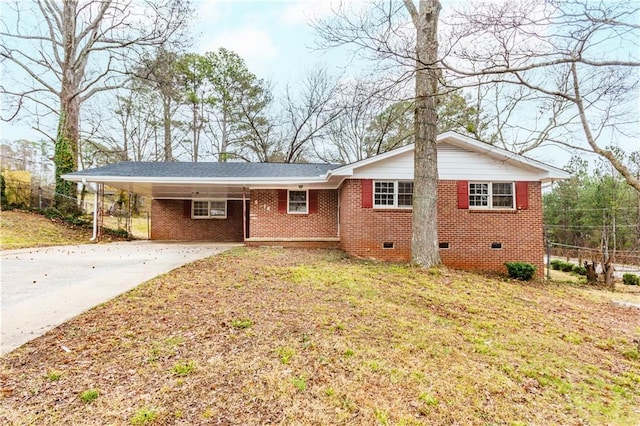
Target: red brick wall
364,231
168,222
267,222
469,233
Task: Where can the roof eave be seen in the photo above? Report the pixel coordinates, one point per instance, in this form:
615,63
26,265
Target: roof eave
195,181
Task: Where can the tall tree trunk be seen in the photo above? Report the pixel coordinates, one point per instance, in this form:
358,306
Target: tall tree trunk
65,160
638,222
225,137
68,134
196,131
166,121
425,190
125,138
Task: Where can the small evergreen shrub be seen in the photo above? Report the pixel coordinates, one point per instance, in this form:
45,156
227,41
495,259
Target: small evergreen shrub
53,213
521,270
561,265
119,233
631,279
566,267
580,270
555,264
4,204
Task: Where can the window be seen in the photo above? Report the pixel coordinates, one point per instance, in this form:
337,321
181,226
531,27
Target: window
297,202
405,194
491,195
209,209
393,194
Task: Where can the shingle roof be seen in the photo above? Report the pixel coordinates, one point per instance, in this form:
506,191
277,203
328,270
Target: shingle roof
204,170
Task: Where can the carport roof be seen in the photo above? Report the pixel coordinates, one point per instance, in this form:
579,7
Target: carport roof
205,170
177,180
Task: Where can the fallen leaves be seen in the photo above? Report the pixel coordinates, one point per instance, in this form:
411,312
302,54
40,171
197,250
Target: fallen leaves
309,337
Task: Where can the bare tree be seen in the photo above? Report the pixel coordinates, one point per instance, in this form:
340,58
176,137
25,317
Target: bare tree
369,124
307,116
74,51
403,38
133,131
372,124
288,135
575,63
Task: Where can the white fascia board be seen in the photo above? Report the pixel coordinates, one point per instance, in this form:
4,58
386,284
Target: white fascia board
347,170
294,185
198,181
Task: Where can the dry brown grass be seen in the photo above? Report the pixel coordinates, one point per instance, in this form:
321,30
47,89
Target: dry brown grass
22,229
264,336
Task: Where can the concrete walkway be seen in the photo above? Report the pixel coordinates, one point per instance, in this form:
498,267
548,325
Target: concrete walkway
44,287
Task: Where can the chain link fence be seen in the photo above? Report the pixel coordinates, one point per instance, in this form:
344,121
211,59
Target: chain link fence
118,211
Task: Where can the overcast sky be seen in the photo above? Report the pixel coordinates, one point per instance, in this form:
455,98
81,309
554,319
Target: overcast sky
274,38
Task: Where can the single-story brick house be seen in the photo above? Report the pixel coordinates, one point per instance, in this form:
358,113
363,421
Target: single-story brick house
489,203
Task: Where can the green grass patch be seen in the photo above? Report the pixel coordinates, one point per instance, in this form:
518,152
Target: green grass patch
300,383
144,416
241,323
285,354
89,395
184,368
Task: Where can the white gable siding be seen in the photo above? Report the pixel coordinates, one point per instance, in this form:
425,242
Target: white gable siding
454,163
398,167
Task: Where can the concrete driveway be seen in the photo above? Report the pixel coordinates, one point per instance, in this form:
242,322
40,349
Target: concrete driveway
44,287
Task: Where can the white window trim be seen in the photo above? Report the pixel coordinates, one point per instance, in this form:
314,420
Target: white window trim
489,205
306,211
395,195
208,200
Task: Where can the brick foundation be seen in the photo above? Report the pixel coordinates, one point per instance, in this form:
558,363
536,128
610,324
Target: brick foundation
295,244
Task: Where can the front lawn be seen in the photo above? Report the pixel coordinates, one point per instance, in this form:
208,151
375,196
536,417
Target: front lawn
264,336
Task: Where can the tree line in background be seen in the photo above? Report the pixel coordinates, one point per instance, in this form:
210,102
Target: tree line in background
596,209
520,75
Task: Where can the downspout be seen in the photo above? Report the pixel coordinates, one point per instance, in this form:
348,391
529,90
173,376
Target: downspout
244,216
339,193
